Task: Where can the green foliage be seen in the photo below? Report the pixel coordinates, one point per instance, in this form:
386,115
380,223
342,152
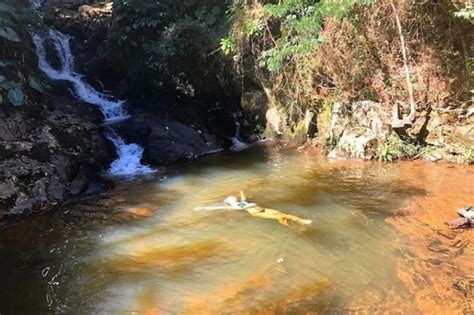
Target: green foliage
300,23
36,84
467,156
9,34
162,41
466,13
253,27
228,45
13,91
395,148
15,95
16,54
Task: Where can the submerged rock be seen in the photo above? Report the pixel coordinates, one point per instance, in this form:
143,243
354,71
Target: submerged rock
139,212
466,218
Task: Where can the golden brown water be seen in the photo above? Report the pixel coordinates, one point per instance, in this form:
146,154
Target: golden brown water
142,249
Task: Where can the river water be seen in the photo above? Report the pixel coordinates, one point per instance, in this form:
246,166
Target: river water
142,249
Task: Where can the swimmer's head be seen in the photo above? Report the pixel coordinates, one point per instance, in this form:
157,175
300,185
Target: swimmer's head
231,200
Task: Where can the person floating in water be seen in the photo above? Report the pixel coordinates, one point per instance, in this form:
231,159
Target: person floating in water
232,203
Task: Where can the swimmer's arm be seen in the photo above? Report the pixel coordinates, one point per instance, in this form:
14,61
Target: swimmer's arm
212,208
242,197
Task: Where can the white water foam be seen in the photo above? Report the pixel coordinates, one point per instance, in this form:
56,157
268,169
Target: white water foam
129,155
36,4
237,143
129,158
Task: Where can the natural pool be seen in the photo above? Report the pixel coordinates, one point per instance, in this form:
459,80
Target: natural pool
94,256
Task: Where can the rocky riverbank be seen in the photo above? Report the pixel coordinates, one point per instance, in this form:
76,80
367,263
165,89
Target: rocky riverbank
53,147
437,268
51,156
186,100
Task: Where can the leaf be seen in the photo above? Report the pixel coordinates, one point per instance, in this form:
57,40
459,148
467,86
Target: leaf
2,78
216,10
35,84
15,95
9,34
210,19
6,8
6,63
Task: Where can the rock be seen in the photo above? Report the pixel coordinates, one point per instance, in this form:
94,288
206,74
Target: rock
61,152
255,103
56,189
276,121
91,11
165,139
12,129
358,133
8,192
433,157
467,212
139,212
339,121
69,4
466,218
461,223
465,286
453,141
80,183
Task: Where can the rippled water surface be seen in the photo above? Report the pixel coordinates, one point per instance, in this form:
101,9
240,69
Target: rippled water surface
142,248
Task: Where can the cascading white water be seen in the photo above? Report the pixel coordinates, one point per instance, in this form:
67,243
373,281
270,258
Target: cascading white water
36,4
237,143
129,155
112,109
128,162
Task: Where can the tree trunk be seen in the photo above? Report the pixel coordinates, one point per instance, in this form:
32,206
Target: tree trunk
408,120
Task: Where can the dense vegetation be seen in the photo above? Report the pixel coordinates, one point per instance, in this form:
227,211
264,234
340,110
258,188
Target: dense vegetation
165,45
307,51
411,57
19,77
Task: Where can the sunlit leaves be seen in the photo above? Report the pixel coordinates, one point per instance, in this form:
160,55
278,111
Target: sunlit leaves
228,45
300,23
465,13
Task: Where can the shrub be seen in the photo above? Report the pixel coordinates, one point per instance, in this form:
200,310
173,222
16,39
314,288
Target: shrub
18,69
305,51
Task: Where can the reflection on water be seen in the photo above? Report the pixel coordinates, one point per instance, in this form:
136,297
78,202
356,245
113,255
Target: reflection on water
98,255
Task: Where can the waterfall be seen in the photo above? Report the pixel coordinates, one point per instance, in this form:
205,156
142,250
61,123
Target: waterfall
36,4
129,155
237,143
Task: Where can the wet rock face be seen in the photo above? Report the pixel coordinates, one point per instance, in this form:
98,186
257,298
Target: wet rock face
48,158
166,139
68,4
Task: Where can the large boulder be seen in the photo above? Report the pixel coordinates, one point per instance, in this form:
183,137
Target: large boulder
92,11
166,139
357,129
48,158
452,141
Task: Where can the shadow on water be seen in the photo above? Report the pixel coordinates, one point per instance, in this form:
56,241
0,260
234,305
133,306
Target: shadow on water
91,255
